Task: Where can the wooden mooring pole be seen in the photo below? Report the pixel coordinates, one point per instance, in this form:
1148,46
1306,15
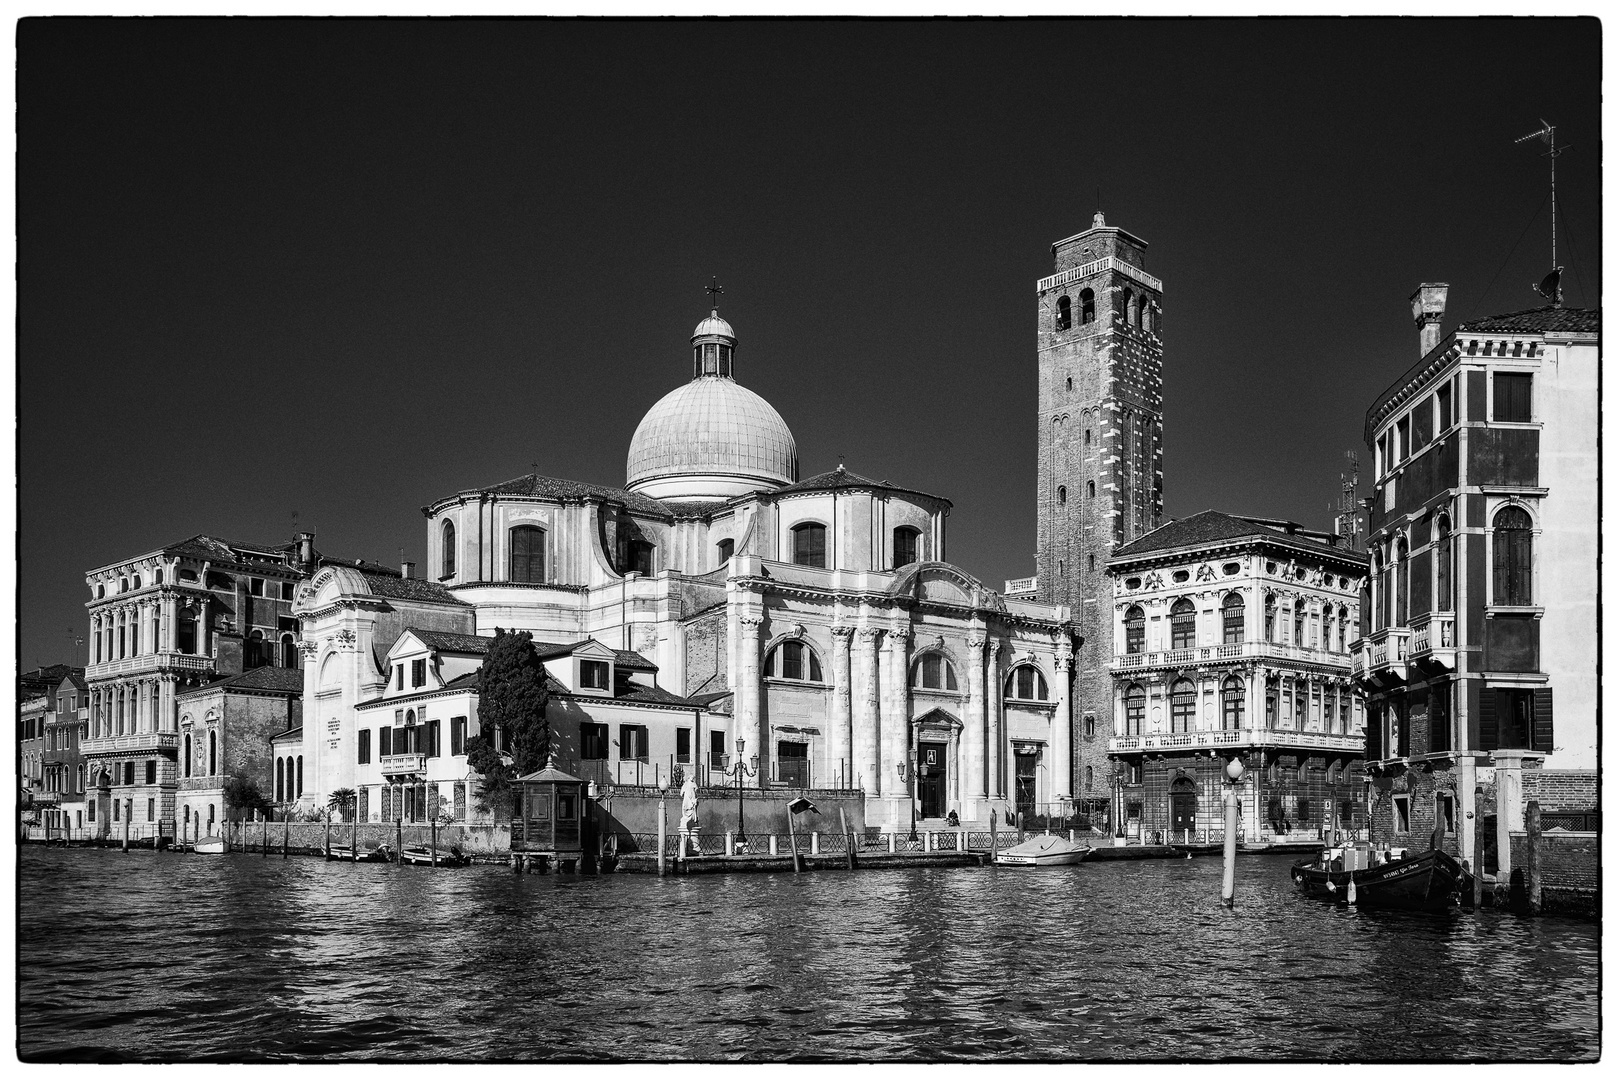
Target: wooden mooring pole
328,834
848,837
792,833
398,833
1531,867
994,834
264,845
1477,849
354,836
662,838
286,833
127,810
433,826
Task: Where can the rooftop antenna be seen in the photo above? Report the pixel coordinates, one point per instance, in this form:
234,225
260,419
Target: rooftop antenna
1348,518
1551,287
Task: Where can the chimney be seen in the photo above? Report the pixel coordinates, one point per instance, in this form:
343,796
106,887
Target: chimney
1427,305
407,569
306,552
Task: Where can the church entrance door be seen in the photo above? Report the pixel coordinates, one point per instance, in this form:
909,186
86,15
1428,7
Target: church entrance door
931,774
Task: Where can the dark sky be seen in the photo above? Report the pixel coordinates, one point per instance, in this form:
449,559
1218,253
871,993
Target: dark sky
346,268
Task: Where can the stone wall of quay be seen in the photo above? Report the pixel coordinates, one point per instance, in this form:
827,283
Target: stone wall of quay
1569,871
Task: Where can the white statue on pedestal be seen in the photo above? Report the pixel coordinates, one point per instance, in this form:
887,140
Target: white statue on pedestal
688,813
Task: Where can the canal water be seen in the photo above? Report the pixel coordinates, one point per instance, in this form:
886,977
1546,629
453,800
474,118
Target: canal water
141,956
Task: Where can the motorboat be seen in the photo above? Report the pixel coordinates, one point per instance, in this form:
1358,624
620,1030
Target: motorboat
209,845
1393,878
422,855
344,853
1043,851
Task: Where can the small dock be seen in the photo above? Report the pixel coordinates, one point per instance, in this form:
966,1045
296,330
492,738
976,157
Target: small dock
642,863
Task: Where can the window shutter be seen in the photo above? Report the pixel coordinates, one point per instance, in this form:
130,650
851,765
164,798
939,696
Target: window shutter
1373,734
1522,551
1502,563
386,746
1488,722
1544,732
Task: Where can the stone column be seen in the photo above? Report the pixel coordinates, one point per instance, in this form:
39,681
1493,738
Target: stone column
999,786
751,722
866,737
170,628
897,736
980,774
1508,809
840,740
1062,723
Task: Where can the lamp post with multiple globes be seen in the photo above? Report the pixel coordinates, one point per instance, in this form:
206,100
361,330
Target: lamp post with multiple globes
741,770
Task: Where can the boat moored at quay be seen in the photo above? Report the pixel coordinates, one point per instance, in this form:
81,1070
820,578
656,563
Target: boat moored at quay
1395,878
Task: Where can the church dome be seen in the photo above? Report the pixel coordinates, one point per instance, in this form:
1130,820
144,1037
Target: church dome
712,438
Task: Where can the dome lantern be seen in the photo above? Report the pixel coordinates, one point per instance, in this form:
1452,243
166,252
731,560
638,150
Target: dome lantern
713,348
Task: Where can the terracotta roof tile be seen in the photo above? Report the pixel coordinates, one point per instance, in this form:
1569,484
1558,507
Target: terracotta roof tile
284,680
463,643
550,487
1211,526
1541,320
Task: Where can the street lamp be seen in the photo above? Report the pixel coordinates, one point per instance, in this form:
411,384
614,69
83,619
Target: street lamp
740,770
907,769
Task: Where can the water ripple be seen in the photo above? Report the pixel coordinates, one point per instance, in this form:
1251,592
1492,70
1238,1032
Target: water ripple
141,957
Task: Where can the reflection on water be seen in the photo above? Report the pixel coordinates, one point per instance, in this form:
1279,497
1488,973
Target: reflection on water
165,957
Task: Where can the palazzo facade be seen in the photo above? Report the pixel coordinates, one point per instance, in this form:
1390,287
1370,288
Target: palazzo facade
1230,640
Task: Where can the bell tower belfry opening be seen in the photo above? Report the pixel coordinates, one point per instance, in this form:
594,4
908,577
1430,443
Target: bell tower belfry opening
1100,443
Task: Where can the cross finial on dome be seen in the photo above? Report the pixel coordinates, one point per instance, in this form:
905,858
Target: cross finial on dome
713,289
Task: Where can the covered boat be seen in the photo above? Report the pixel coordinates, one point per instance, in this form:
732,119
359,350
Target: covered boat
1043,851
209,845
422,855
343,853
1395,878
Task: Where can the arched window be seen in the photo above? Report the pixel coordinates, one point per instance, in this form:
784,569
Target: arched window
1026,682
1086,436
809,544
793,660
528,554
289,651
1134,710
727,548
1135,630
1384,585
123,641
255,650
1061,495
1272,693
1087,306
1070,384
1235,702
300,775
1235,618
185,756
1129,307
157,577
1326,638
136,580
1183,705
1089,778
1300,611
210,819
1513,557
1342,628
280,786
1092,488
448,540
1183,625
1064,313
1402,599
906,544
1145,314
1444,568
213,754
934,672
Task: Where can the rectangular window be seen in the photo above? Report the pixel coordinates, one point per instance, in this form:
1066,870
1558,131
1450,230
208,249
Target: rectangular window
460,799
593,742
632,742
288,590
1513,397
1514,713
385,741
129,773
90,809
593,674
151,772
255,586
429,737
716,749
1446,408
151,809
116,810
1402,438
809,545
418,672
1401,813
398,676
363,756
682,745
1446,813
457,736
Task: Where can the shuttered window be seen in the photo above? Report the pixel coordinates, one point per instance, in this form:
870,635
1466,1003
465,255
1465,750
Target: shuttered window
1513,557
385,741
527,554
363,757
1135,630
1183,625
1513,397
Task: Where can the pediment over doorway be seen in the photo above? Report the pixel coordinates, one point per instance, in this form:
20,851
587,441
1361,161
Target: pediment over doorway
937,722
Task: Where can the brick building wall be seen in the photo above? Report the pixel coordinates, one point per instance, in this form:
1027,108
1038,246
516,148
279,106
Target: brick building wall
705,654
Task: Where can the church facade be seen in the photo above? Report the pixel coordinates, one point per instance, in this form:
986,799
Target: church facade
808,633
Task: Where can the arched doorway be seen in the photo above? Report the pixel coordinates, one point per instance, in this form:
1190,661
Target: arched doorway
1183,804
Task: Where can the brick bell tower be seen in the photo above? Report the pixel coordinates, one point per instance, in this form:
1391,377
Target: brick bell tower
1100,452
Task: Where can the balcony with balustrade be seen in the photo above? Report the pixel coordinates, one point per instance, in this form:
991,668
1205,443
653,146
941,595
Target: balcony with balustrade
403,765
1236,740
148,663
1432,639
1387,656
1202,655
136,743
